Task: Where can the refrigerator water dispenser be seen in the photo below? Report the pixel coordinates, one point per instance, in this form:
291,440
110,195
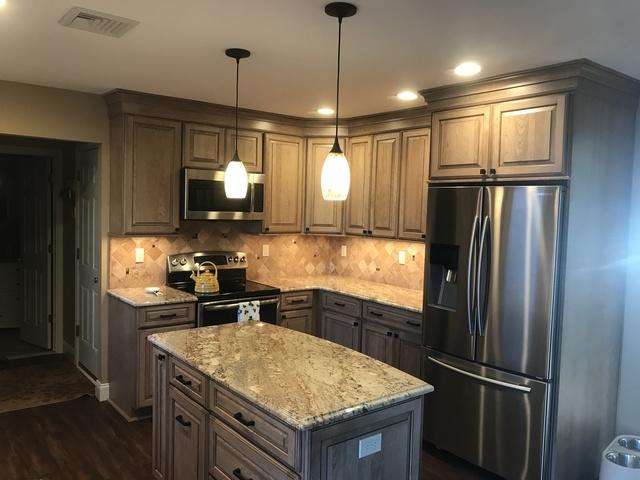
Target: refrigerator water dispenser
443,276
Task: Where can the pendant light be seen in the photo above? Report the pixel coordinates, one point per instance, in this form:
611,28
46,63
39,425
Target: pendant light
335,178
236,180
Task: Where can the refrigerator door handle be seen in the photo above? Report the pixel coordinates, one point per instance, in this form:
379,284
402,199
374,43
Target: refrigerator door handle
480,298
512,386
470,275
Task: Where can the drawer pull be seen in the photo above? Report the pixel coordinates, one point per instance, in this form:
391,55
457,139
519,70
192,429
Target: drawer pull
161,357
168,315
376,314
247,423
297,300
340,304
238,474
182,421
355,324
182,380
389,334
412,323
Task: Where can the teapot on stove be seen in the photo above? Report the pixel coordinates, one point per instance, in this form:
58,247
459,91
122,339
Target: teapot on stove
206,282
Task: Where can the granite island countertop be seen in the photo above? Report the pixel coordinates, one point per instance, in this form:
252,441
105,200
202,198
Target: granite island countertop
303,380
138,297
407,298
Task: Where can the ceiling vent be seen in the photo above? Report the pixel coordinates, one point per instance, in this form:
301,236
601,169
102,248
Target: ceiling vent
97,22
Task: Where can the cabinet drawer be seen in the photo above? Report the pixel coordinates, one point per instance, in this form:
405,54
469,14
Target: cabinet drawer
296,300
395,317
299,320
232,457
187,380
166,315
341,303
273,436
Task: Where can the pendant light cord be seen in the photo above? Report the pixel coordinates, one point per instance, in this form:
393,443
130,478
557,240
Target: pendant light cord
338,76
237,83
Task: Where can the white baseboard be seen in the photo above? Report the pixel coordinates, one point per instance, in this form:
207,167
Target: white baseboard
102,391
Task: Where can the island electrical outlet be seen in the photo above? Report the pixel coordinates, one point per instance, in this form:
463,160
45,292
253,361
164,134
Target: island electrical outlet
369,445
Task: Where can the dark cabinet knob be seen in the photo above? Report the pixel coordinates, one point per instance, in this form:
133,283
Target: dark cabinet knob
376,314
339,304
364,231
389,334
412,323
238,474
177,229
492,171
355,324
183,381
168,315
395,335
185,423
161,357
370,232
247,423
266,229
483,171
423,235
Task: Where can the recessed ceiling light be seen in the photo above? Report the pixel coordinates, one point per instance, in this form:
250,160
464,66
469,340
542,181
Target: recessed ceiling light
3,3
467,69
407,95
321,110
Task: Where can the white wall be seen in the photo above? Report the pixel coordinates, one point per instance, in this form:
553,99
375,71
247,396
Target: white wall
629,389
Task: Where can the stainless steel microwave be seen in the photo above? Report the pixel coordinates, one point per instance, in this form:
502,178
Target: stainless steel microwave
203,197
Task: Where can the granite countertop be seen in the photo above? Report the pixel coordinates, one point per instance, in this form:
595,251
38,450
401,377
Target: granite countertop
138,297
303,380
407,298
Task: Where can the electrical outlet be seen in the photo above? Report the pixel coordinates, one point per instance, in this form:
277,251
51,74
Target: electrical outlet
369,445
139,255
402,257
343,251
265,250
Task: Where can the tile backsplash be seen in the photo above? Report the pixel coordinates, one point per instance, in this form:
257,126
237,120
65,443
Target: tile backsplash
367,258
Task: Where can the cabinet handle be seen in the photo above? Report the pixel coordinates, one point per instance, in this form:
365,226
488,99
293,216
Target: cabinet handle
283,316
238,474
339,304
483,171
389,334
181,379
266,229
395,335
177,229
412,323
297,300
168,315
369,232
182,421
492,171
376,314
247,423
423,235
161,357
364,231
306,229
355,324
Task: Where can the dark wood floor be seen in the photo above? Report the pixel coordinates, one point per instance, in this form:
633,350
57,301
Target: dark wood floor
87,440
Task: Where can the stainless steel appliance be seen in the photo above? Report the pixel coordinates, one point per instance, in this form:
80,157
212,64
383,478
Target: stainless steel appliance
222,307
203,197
490,323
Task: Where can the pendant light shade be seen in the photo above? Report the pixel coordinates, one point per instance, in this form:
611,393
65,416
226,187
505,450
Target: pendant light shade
236,180
335,178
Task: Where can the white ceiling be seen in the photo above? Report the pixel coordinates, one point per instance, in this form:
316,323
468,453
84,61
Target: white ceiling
178,48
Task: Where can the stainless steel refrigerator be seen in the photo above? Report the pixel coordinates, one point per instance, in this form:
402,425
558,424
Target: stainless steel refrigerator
490,323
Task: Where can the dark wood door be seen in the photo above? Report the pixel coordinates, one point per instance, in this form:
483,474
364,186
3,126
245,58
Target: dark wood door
408,356
186,422
377,341
341,329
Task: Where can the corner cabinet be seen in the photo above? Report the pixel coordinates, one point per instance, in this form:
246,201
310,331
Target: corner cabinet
284,193
145,175
414,179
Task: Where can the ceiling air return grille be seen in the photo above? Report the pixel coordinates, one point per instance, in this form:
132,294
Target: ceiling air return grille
97,22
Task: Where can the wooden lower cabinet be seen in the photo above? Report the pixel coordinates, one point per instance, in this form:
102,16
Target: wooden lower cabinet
341,329
186,429
300,320
377,341
159,427
408,352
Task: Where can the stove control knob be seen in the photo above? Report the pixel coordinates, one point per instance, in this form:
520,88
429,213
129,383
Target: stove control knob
243,259
174,262
229,259
183,261
236,259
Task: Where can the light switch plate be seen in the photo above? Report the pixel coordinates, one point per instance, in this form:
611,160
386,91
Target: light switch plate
369,445
265,250
402,257
343,251
139,255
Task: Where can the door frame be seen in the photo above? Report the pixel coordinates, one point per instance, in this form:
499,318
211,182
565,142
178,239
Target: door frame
56,156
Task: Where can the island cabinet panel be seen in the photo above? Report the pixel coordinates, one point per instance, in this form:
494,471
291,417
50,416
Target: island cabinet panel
159,425
414,179
250,149
296,300
378,341
300,320
528,136
145,175
385,172
408,354
357,213
341,329
284,193
460,143
187,430
203,146
321,216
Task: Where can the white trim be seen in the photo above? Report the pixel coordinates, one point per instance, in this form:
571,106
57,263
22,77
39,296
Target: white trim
102,391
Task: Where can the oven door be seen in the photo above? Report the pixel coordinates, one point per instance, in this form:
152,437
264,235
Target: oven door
203,197
219,313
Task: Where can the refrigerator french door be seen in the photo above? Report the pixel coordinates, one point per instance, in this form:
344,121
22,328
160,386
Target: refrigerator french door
490,286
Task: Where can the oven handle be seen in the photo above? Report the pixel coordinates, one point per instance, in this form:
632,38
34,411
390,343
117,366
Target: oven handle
228,306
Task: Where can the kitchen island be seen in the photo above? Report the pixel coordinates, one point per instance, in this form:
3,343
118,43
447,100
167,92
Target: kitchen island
257,401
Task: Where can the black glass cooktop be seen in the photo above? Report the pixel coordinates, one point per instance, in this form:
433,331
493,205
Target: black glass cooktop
231,291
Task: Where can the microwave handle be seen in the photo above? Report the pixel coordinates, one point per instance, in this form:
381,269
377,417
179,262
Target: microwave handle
252,186
229,306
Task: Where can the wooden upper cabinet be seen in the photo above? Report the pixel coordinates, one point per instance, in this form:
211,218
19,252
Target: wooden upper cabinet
414,178
203,146
321,216
460,143
145,175
385,172
357,214
249,148
528,136
284,158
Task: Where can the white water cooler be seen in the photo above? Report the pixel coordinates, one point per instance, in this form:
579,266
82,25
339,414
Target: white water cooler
621,459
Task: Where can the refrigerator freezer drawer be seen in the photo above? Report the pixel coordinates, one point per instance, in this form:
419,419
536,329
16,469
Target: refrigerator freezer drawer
493,419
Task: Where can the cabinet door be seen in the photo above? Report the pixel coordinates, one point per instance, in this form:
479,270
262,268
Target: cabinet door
186,422
145,363
152,177
202,146
357,206
321,216
159,425
385,171
300,320
408,355
414,179
284,184
249,148
528,136
377,341
341,329
460,142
